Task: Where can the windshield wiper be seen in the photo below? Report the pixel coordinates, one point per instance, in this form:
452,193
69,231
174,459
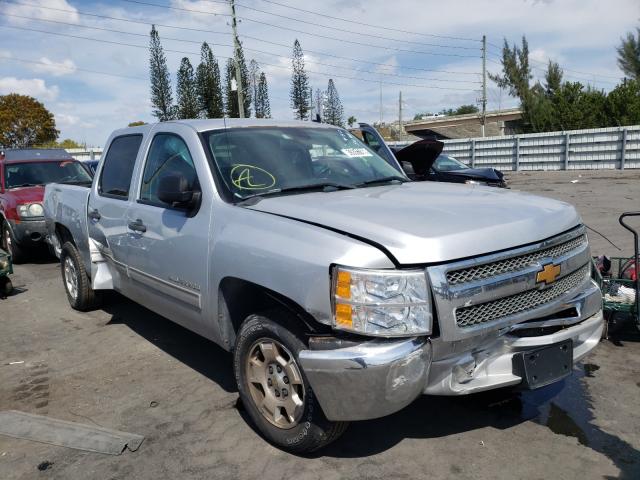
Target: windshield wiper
324,187
392,178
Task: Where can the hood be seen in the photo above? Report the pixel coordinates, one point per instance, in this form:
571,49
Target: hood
26,194
487,174
420,155
429,222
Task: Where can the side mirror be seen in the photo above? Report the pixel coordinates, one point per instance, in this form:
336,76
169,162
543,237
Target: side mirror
174,190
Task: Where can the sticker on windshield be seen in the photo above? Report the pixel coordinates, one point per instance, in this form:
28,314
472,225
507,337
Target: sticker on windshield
356,152
250,177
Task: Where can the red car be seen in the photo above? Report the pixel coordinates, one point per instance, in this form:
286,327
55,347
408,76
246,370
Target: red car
23,175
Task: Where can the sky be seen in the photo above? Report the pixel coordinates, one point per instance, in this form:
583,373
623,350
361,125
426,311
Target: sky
372,49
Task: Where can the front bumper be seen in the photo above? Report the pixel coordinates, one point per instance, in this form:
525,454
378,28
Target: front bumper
28,232
369,380
377,378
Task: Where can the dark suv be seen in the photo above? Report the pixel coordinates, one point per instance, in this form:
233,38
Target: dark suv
23,175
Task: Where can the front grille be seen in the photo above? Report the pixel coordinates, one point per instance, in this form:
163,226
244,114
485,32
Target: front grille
513,264
520,302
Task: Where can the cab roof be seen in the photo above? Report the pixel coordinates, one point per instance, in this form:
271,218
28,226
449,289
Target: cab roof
18,155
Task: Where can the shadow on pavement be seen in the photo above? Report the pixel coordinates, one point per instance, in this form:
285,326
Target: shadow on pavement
195,351
565,407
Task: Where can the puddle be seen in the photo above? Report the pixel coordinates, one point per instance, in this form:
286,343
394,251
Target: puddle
566,409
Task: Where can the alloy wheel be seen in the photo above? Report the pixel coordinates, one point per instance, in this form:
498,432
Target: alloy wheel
70,278
275,383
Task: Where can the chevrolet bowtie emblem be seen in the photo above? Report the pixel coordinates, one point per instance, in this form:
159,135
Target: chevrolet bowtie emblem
548,274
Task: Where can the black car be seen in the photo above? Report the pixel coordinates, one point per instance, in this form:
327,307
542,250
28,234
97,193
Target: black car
423,160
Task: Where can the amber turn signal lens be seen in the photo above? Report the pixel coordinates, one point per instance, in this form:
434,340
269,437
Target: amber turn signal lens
343,315
343,286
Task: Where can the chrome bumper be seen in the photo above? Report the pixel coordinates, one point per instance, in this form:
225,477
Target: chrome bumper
369,380
377,378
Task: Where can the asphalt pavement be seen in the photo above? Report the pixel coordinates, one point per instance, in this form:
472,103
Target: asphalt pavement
123,367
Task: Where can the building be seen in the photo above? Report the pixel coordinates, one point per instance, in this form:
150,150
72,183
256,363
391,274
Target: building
498,122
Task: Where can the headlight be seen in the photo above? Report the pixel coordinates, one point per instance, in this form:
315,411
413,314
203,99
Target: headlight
4,263
30,210
387,303
474,182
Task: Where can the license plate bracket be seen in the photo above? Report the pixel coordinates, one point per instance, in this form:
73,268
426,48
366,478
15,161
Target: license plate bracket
543,366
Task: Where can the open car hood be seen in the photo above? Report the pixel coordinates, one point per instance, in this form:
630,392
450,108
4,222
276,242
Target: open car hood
421,155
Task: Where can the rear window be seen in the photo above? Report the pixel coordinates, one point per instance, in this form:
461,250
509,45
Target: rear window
115,179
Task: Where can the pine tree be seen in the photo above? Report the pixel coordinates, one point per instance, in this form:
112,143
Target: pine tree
231,96
319,104
186,91
553,78
516,72
629,55
332,109
208,85
263,108
254,74
299,84
161,97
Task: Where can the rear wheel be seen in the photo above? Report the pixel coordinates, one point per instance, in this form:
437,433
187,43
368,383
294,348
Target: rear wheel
76,281
10,245
274,389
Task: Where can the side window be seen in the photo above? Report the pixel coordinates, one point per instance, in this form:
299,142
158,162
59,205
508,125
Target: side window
168,155
115,179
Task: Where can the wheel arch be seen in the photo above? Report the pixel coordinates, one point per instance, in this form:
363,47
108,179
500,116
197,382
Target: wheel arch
239,298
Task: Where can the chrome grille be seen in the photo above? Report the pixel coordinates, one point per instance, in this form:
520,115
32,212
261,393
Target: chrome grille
521,302
513,264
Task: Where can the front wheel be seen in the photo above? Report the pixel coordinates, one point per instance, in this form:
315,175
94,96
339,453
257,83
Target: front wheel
10,245
274,389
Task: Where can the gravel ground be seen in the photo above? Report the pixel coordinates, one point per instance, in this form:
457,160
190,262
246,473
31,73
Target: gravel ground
126,368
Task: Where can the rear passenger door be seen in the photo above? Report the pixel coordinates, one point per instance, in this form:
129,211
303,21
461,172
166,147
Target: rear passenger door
109,202
168,256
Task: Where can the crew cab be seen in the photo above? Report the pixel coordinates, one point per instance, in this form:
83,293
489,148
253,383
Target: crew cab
343,289
23,175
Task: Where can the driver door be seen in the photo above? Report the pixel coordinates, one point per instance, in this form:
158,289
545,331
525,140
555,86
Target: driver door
168,257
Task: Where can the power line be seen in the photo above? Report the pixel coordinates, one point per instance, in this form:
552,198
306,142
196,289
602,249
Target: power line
121,32
221,56
362,61
545,63
73,69
177,8
164,25
327,37
371,25
107,17
353,42
338,29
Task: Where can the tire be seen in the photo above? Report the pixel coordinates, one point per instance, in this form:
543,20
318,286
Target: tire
10,245
300,430
6,287
76,281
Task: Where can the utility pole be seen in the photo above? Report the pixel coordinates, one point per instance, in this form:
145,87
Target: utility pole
381,103
236,50
311,104
484,83
400,115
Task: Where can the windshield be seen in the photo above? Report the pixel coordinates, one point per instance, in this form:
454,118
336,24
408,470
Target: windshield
42,173
445,163
267,160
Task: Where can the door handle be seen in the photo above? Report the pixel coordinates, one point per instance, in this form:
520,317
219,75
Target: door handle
137,226
94,215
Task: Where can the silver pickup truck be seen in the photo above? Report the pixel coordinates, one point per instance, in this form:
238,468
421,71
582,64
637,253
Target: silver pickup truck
343,290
